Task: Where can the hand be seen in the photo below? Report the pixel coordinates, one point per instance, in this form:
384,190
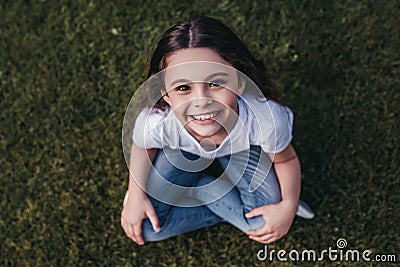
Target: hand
278,218
137,208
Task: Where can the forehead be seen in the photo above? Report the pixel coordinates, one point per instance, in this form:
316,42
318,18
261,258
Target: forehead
196,65
195,54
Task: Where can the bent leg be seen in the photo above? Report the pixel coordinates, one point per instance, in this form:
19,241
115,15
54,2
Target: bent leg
180,220
249,181
169,190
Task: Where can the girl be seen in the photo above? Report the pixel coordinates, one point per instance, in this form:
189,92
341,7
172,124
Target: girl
210,106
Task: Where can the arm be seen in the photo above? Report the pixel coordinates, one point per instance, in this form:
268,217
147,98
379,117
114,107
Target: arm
139,168
138,206
288,172
279,216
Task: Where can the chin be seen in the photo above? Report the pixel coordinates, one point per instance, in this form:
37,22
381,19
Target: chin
204,133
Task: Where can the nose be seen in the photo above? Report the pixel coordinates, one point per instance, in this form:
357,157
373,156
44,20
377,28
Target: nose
201,95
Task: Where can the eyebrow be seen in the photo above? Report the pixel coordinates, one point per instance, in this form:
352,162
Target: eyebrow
207,78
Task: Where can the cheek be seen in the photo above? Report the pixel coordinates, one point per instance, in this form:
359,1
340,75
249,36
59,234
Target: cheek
232,86
228,98
174,100
179,107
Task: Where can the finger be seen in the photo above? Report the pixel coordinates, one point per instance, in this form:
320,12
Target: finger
151,214
263,230
128,229
132,236
137,230
134,239
255,212
266,239
125,227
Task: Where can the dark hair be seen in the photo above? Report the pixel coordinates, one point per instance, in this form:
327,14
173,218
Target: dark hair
211,33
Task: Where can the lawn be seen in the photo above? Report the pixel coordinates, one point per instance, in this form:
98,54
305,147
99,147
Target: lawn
68,70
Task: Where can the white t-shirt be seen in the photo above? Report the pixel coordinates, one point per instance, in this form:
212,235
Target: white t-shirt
261,122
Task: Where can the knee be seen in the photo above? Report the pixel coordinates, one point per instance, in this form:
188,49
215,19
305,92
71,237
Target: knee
149,234
255,223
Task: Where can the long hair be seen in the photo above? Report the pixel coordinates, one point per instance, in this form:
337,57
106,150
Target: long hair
210,33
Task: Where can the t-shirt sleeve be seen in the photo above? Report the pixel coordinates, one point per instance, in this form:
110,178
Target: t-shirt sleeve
146,132
284,126
276,128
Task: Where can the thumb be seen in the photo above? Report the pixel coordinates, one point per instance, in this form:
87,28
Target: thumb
254,212
151,214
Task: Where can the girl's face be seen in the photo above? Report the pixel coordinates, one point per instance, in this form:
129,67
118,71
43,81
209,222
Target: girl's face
202,89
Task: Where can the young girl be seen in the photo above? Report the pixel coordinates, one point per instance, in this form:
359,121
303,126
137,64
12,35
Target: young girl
210,106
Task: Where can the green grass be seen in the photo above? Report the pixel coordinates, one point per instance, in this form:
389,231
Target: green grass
68,71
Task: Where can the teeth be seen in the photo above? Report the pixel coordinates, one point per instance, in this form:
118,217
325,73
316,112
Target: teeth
203,117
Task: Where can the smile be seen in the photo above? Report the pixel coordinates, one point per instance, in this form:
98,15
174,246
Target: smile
205,116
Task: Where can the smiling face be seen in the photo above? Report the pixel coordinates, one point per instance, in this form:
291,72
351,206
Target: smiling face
202,89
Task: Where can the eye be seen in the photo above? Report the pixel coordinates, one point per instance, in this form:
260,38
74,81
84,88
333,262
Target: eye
216,83
182,88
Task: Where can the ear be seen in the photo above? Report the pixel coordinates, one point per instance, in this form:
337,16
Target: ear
166,97
242,85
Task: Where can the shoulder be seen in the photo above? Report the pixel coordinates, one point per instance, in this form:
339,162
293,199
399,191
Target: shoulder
147,128
150,118
267,110
270,122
